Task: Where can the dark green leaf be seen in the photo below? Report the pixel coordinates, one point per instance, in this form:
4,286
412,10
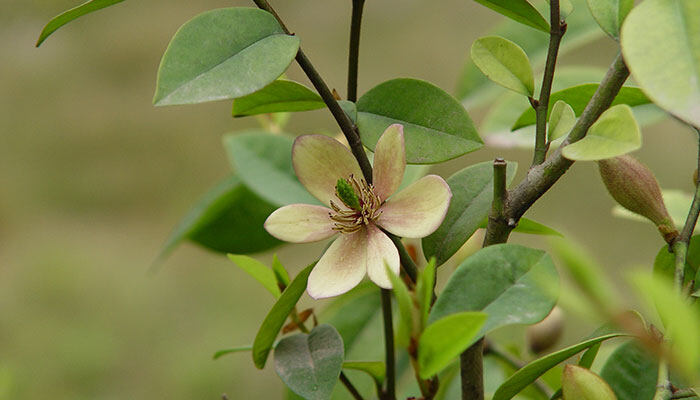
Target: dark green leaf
223,54
279,96
259,271
472,193
74,13
310,364
278,314
351,312
232,350
631,372
436,127
375,369
518,10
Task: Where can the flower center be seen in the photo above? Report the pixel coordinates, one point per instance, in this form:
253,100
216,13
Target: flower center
361,202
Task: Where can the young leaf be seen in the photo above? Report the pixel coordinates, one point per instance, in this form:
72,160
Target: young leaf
615,133
259,271
278,314
472,193
232,350
561,120
532,371
69,15
310,364
375,369
505,63
403,300
631,372
513,284
665,59
518,10
610,13
579,383
424,290
223,54
281,274
279,96
436,126
445,339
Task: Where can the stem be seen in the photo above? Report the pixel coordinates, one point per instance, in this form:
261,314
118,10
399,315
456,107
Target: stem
354,54
471,364
663,387
683,394
390,390
351,388
498,352
406,261
557,30
495,232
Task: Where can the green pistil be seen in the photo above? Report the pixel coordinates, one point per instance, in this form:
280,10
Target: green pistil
346,194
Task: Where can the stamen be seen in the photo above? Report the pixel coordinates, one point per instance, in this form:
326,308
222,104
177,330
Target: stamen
353,219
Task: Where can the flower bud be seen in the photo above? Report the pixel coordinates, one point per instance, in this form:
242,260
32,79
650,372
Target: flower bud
578,383
544,334
634,187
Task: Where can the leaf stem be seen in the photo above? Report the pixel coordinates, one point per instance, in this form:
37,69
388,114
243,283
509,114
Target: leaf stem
500,353
390,389
351,388
354,53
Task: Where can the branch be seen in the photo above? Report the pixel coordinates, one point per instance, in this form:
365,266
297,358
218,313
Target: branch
390,390
351,388
354,54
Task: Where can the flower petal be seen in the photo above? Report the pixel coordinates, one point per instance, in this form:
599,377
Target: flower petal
389,161
380,250
319,161
341,268
418,210
300,223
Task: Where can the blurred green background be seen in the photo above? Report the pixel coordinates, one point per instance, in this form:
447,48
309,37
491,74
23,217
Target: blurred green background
93,178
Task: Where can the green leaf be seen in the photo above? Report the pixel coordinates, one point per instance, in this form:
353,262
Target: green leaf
223,54
588,356
281,274
278,314
530,227
259,271
69,15
665,59
472,193
665,261
375,369
513,284
352,312
610,13
279,96
505,63
403,300
424,290
310,364
579,383
350,109
565,8
232,350
561,120
677,203
436,126
445,339
631,372
578,96
264,163
532,371
518,10
228,219
615,133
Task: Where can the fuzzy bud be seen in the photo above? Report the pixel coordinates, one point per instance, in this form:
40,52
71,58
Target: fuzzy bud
578,383
634,187
543,335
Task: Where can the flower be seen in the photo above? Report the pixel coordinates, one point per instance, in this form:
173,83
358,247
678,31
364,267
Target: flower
328,170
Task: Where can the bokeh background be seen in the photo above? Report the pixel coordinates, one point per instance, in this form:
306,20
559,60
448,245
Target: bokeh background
93,178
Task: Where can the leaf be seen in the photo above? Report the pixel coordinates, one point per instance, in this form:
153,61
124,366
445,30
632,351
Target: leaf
277,315
505,281
228,219
223,54
69,15
665,261
264,163
518,10
281,274
665,60
631,372
578,96
375,369
565,8
532,371
310,364
436,127
259,271
529,226
405,304
579,383
232,350
610,13
561,120
351,312
424,290
279,96
615,133
472,193
445,339
505,63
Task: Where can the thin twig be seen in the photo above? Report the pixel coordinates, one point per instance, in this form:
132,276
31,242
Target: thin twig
351,388
390,389
354,53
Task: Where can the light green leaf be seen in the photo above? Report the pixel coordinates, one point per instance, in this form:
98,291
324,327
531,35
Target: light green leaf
561,120
223,54
445,339
665,261
259,271
615,133
281,274
472,193
424,290
375,369
631,372
74,13
677,203
529,226
610,13
579,383
403,300
532,371
232,350
279,96
518,10
310,364
264,163
352,312
513,284
565,8
272,324
505,63
661,45
436,126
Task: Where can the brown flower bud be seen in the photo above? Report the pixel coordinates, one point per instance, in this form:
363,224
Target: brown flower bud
634,187
543,335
